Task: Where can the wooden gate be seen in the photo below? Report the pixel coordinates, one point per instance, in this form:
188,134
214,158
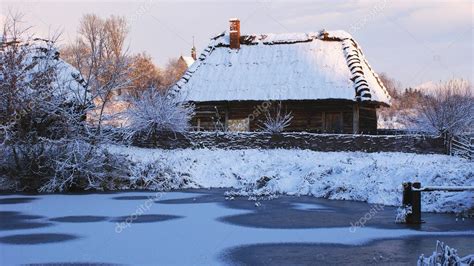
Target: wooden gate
462,146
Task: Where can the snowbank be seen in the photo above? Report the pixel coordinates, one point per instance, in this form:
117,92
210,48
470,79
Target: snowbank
371,177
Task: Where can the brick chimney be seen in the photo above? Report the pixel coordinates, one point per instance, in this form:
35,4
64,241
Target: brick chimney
234,33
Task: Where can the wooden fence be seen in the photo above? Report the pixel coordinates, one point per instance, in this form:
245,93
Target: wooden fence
412,198
462,146
309,141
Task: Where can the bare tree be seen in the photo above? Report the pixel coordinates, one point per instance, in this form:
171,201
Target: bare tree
447,108
173,71
101,57
276,120
393,86
116,31
144,75
387,116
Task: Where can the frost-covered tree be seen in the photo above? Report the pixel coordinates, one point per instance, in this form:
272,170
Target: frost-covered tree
276,120
157,111
446,108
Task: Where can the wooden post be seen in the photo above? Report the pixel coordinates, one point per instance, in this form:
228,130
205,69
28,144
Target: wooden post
406,200
412,198
355,118
416,204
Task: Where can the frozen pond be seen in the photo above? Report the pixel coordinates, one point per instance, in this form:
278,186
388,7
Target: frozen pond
199,227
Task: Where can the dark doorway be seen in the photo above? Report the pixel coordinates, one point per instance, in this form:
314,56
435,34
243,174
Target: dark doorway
333,122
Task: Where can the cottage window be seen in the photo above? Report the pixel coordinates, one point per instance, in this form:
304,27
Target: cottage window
238,125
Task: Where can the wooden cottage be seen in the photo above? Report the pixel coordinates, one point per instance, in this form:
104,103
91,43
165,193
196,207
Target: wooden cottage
322,78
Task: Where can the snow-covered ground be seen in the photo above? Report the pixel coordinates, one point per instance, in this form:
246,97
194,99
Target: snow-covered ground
371,177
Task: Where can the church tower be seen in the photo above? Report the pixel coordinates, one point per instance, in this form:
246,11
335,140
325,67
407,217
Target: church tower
193,51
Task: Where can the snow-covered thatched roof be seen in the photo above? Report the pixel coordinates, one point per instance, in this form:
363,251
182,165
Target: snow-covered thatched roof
296,66
69,82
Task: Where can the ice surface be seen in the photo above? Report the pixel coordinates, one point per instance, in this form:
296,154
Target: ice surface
195,239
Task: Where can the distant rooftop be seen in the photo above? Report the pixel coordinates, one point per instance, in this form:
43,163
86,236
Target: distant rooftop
188,60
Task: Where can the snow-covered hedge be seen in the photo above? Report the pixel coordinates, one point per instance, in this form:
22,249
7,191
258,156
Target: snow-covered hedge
371,177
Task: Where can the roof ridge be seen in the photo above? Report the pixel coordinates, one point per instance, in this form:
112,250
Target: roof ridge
354,56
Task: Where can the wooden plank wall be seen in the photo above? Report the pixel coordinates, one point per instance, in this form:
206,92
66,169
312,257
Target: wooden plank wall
308,116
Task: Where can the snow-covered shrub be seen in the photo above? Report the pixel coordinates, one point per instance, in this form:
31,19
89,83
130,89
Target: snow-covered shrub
264,188
448,108
156,112
157,176
61,165
402,213
78,165
443,107
276,120
445,256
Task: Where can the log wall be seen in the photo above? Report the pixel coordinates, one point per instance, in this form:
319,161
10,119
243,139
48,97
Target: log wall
308,116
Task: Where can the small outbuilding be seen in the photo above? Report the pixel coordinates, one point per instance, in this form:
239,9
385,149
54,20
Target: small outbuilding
322,78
